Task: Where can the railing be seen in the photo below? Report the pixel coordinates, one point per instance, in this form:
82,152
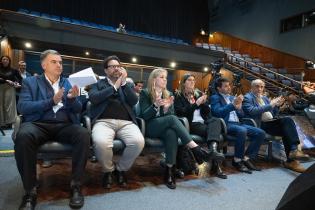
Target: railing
248,63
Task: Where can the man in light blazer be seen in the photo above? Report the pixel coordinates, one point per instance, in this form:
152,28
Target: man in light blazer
264,112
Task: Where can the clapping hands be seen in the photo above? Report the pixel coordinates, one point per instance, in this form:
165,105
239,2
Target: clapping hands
122,79
238,101
277,101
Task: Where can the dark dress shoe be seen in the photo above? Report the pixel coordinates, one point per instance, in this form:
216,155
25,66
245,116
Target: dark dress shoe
250,165
28,202
179,173
169,177
218,171
214,153
121,178
107,180
76,199
241,167
201,155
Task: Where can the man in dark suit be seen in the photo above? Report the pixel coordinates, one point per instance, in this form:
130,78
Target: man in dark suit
264,112
49,106
112,115
229,108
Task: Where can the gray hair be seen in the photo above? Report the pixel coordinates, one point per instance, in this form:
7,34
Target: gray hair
44,54
256,82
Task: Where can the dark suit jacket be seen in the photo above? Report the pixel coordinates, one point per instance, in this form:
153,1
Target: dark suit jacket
102,90
253,110
221,109
147,110
34,101
183,108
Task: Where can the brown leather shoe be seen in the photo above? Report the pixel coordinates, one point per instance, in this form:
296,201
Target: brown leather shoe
294,166
298,154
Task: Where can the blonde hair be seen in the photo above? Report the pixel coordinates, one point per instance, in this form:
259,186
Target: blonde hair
151,84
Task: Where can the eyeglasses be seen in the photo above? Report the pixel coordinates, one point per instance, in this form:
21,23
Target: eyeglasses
114,66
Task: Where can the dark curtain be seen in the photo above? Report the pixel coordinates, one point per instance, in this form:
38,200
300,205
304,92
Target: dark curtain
170,18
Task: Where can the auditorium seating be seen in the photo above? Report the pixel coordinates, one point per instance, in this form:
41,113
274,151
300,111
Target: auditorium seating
100,26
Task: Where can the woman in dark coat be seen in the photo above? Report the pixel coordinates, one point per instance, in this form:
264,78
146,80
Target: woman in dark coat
192,104
9,80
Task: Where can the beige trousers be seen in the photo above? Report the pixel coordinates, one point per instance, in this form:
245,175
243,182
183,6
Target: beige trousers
105,131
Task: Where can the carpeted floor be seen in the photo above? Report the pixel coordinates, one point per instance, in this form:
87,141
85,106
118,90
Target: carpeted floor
260,190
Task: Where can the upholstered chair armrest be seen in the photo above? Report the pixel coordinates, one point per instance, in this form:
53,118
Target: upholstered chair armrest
87,123
141,124
223,126
185,122
249,121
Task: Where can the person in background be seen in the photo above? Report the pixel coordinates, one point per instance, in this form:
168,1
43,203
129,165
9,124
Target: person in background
264,112
192,104
24,74
229,108
121,29
22,70
157,109
9,82
138,87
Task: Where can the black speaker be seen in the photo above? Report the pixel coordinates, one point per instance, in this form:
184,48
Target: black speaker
300,193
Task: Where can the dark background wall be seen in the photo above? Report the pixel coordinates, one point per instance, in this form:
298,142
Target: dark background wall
172,18
259,21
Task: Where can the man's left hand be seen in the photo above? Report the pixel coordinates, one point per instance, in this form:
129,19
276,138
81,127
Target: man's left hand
73,92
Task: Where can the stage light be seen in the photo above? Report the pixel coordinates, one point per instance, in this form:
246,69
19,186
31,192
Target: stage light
310,65
87,53
28,45
202,32
173,64
211,36
134,60
205,69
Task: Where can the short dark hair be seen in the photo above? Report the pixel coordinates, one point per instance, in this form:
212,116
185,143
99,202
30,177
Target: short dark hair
136,82
220,81
109,58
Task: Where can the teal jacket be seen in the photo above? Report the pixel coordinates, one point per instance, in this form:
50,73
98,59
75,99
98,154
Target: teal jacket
147,110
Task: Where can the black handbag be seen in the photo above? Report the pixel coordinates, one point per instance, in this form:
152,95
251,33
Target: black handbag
186,160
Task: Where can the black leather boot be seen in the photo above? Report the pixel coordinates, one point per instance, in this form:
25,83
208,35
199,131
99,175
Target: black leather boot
107,180
201,155
121,178
214,153
217,170
28,201
169,177
76,197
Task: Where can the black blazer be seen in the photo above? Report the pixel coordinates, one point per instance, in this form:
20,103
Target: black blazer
102,90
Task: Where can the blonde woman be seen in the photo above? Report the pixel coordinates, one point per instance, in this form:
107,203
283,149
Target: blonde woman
157,110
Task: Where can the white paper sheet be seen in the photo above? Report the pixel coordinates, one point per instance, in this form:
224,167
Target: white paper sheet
83,78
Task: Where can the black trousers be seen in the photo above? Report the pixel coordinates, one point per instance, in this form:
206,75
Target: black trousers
32,135
284,127
210,130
